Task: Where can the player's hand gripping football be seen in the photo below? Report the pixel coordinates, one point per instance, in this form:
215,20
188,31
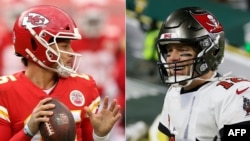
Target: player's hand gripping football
40,114
105,119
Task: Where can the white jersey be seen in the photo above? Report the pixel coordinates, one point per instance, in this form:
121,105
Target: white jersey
201,114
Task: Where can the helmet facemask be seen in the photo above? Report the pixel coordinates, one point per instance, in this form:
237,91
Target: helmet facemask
168,70
53,55
40,27
191,25
208,57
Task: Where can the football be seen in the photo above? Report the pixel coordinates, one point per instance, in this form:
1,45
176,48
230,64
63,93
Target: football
61,125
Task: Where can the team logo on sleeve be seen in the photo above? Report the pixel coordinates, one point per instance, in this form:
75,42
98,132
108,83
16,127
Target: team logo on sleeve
246,105
77,98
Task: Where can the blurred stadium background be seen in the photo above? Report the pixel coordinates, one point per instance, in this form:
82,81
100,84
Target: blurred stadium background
144,91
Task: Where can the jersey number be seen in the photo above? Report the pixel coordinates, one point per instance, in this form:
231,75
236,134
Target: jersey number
227,84
5,79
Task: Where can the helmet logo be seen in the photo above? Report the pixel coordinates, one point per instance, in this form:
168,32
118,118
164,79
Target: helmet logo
203,67
168,36
34,20
209,22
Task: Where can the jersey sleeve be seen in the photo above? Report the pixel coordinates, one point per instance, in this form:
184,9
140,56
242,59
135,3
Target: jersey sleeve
93,104
235,106
155,134
5,126
87,129
20,136
164,123
171,104
162,120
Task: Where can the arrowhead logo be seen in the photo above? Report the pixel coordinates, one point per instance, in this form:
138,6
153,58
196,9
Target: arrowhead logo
241,91
34,20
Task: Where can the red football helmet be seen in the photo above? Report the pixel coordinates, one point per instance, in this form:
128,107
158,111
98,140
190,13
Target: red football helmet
36,29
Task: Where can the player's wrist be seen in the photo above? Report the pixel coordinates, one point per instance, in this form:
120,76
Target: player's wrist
103,138
27,131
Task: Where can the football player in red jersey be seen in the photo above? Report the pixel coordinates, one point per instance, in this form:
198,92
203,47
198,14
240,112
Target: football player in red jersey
42,37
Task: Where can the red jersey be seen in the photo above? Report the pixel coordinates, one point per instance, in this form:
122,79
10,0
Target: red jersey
19,96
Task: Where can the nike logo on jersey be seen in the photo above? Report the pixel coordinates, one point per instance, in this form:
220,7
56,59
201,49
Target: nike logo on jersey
241,91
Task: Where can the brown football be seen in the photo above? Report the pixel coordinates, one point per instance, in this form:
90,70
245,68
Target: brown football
61,126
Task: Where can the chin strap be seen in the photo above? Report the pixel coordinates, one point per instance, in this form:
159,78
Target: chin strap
63,72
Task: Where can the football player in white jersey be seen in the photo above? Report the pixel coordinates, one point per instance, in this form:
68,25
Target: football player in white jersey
199,101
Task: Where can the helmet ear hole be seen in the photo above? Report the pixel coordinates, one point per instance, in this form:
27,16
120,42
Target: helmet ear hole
216,52
18,54
201,66
33,44
67,28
